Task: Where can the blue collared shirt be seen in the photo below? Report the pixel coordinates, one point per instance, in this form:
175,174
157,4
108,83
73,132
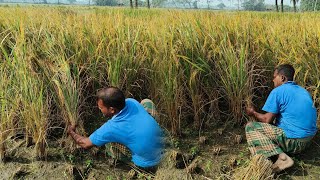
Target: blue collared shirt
296,113
135,128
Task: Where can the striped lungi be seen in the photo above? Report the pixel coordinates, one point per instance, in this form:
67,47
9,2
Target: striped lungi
270,140
150,107
118,152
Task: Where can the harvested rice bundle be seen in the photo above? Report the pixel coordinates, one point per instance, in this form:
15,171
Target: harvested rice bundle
259,168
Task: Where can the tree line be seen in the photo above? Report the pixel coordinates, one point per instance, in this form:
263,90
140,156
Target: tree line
249,5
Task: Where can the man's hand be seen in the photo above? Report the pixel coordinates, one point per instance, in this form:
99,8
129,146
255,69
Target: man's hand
82,141
265,118
250,110
71,128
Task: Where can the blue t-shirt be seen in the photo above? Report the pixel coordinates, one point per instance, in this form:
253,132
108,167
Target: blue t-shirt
296,114
135,128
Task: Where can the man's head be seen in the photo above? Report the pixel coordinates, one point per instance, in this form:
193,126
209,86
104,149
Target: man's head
282,74
110,101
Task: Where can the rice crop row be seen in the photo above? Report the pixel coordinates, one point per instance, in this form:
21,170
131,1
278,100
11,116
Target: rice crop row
200,67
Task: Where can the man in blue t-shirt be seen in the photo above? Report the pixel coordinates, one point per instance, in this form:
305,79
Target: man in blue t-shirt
130,133
295,124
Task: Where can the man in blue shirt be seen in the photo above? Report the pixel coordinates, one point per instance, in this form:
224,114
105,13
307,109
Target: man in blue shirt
295,124
131,131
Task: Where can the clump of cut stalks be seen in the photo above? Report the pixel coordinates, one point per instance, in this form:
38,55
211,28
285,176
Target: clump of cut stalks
259,168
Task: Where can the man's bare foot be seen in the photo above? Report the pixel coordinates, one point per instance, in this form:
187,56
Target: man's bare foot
283,162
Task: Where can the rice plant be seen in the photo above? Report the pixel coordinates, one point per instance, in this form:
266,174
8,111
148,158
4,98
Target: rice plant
8,107
33,101
193,64
67,91
35,107
235,73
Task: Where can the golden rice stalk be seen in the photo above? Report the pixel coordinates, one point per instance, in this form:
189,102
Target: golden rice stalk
8,109
2,146
67,90
259,168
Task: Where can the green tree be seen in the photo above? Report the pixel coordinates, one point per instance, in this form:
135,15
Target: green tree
195,4
310,5
295,4
148,4
72,1
106,2
221,6
254,5
158,3
186,3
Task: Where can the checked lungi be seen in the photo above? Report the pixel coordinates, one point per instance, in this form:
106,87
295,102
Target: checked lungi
270,140
120,152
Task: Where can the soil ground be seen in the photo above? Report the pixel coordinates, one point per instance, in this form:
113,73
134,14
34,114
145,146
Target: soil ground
216,155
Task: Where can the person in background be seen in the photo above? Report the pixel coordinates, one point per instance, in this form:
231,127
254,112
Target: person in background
131,135
295,116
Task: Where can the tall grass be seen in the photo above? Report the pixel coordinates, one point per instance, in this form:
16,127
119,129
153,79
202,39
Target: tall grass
197,66
63,77
67,92
35,105
8,108
235,70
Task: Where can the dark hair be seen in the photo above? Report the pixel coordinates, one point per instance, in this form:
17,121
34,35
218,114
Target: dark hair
286,70
112,97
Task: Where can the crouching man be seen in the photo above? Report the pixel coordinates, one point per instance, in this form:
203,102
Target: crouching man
131,134
295,123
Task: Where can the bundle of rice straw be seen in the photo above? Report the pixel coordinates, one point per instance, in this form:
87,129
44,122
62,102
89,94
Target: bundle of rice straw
259,168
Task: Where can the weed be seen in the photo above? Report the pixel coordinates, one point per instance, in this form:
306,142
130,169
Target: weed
194,150
109,177
89,164
71,158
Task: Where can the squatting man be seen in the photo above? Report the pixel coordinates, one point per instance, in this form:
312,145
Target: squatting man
291,108
131,135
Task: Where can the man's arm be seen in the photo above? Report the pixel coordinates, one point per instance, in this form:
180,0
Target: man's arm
265,118
82,141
